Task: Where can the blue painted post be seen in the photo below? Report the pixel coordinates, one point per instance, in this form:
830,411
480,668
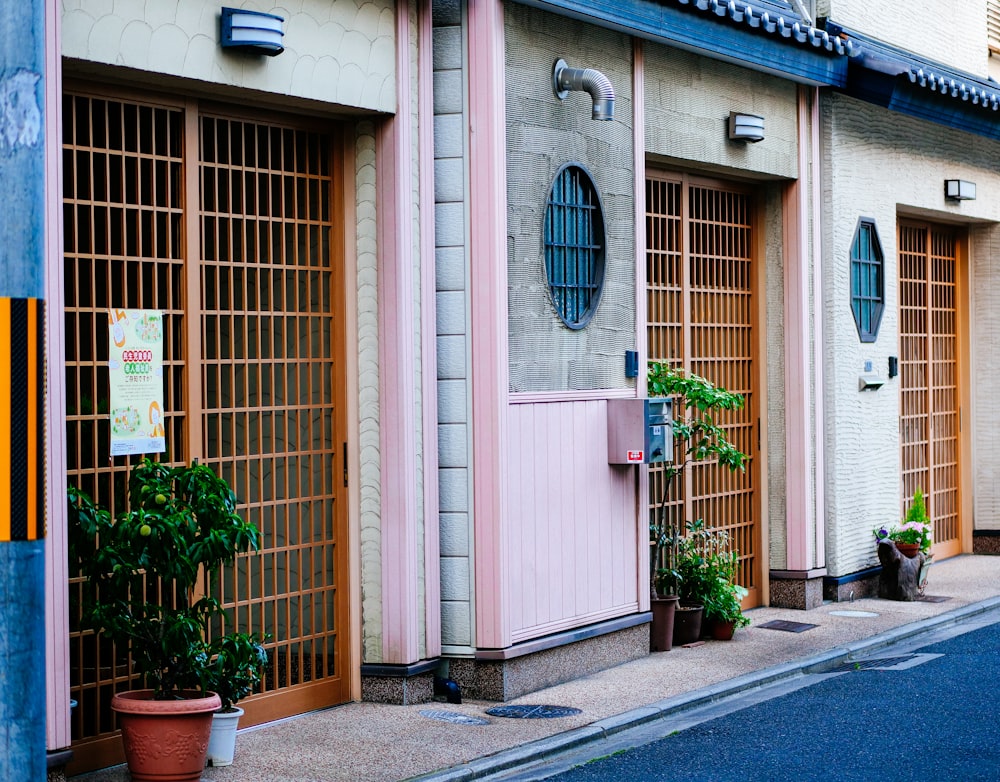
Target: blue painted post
22,265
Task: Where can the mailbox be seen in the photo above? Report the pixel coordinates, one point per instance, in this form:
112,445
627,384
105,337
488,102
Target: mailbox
640,431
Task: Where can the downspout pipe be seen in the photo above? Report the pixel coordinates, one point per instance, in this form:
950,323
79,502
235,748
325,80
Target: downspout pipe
566,80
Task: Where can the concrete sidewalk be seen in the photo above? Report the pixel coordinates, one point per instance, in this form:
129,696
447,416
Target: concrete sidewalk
368,742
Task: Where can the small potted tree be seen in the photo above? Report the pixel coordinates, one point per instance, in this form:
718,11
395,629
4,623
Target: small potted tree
673,552
238,661
143,570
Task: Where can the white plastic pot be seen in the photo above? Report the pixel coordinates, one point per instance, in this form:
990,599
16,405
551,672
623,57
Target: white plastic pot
222,742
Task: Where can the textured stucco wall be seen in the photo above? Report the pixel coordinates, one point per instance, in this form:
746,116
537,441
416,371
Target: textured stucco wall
984,253
688,100
773,359
340,53
879,164
948,31
368,394
453,387
544,133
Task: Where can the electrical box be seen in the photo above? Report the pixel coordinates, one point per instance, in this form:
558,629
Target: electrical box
640,431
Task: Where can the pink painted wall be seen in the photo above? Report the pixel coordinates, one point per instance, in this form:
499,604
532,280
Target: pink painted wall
572,542
488,307
397,371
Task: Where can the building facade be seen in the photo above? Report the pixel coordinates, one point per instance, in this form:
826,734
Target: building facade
405,270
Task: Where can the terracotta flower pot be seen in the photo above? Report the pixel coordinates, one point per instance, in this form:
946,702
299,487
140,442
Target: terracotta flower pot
908,549
165,740
722,630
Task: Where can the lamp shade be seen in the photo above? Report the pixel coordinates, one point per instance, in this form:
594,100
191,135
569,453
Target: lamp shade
252,31
959,190
745,127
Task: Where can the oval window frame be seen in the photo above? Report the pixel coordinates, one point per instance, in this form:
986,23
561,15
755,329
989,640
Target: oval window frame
570,315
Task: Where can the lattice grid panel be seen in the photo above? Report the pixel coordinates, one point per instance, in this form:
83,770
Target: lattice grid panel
699,274
269,412
268,380
929,392
123,248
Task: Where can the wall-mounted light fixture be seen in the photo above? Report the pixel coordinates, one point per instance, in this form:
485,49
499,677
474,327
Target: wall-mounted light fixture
745,127
252,31
566,79
959,190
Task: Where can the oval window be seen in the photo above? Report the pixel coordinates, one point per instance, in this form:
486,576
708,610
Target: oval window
574,245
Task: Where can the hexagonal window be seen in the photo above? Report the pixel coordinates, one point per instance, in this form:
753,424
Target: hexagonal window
867,279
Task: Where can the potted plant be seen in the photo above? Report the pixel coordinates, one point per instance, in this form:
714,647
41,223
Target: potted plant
238,661
674,554
706,567
721,595
914,536
142,572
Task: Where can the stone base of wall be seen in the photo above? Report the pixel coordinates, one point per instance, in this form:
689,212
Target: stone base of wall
519,671
986,542
56,762
401,685
843,589
794,590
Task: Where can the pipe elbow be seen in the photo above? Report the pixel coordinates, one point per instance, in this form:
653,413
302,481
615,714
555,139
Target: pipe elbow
588,80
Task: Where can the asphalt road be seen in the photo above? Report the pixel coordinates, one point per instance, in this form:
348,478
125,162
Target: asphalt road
931,719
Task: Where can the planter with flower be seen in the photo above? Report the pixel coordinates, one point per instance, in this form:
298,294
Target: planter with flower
678,554
904,551
144,570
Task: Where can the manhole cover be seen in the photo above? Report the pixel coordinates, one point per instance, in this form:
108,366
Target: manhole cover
453,717
933,598
528,712
788,627
852,613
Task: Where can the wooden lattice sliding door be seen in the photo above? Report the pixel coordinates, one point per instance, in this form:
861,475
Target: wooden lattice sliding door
123,224
232,227
700,316
271,393
930,357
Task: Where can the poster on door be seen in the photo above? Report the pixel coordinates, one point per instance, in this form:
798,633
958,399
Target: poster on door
135,363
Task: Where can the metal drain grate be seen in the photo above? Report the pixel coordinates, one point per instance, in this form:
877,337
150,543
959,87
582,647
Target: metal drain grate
788,627
528,712
453,717
874,664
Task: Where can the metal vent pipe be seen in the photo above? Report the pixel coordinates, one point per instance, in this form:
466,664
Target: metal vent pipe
566,79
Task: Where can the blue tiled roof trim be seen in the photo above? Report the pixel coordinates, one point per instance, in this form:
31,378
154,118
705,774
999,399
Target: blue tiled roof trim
902,81
792,49
774,18
878,56
956,88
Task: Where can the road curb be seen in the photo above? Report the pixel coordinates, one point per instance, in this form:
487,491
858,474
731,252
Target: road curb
550,746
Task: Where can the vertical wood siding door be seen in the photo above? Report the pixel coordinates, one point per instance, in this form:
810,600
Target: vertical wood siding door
701,316
234,228
929,424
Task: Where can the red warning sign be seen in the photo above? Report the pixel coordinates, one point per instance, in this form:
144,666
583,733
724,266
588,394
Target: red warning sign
633,457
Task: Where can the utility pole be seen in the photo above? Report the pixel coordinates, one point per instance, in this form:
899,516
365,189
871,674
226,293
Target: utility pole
22,390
